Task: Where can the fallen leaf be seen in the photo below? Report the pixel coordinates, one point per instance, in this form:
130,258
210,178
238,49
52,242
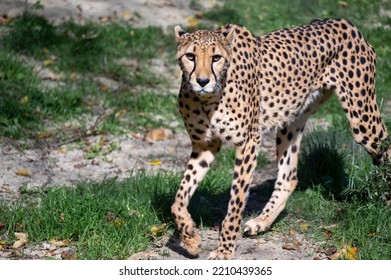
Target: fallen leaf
345,252
304,227
118,222
330,250
159,134
343,4
2,225
22,239
199,15
47,62
23,172
79,165
350,253
120,113
158,230
192,22
110,216
290,246
49,75
62,151
329,234
4,19
155,162
291,232
24,100
74,76
335,256
69,255
58,243
44,135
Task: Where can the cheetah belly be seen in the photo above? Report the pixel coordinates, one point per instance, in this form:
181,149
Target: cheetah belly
272,118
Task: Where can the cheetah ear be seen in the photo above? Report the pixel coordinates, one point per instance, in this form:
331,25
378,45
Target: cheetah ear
179,32
230,35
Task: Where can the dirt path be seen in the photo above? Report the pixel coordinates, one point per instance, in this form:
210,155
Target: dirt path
49,165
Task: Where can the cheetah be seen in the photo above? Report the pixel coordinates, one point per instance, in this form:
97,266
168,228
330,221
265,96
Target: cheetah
236,87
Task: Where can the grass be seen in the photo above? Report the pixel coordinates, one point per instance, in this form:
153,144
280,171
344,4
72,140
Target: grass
75,55
109,220
341,198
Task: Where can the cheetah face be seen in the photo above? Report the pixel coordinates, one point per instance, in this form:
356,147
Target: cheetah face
204,58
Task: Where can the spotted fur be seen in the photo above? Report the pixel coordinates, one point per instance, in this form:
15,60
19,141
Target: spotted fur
236,86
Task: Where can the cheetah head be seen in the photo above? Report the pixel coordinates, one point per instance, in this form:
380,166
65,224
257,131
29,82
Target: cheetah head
204,57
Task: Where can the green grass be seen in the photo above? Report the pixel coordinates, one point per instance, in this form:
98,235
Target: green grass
110,220
77,54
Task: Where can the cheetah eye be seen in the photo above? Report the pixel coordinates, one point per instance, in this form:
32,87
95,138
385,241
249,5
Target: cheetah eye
190,56
216,58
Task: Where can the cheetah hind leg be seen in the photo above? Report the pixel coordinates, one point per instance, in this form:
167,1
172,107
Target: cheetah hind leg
288,146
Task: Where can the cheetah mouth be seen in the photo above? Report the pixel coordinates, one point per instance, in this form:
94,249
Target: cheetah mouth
205,91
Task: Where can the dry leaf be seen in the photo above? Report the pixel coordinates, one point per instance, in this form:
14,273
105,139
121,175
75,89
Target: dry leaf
118,222
335,256
49,75
4,19
24,100
58,243
192,22
290,246
158,230
350,253
1,226
23,172
68,255
291,232
155,162
159,134
345,252
329,234
79,165
343,4
47,62
62,151
304,227
329,251
44,135
22,239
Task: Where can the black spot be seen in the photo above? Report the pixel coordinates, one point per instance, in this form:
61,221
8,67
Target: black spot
204,164
247,159
194,155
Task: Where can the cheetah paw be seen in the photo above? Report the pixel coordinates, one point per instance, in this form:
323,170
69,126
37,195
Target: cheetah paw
220,255
256,226
192,244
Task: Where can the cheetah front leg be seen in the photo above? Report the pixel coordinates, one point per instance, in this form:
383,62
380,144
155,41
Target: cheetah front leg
244,167
198,165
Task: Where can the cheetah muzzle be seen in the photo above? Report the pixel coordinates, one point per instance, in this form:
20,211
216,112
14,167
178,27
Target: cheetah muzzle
235,87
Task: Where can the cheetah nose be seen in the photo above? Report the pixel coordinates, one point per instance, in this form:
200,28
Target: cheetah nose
202,82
